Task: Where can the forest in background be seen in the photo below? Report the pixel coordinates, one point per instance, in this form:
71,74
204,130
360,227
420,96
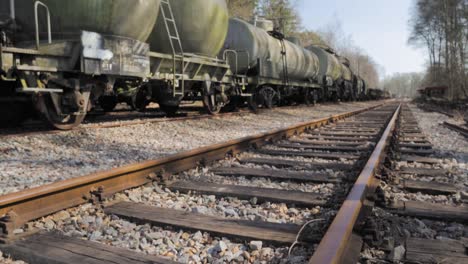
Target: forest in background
441,28
285,16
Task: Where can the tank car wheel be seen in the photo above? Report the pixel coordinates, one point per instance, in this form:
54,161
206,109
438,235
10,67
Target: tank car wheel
141,99
108,103
211,104
50,114
310,97
267,97
170,110
233,105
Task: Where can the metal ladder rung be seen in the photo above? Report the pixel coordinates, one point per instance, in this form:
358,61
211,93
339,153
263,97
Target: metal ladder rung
176,45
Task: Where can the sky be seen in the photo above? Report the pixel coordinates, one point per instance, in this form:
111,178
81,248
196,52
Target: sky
379,27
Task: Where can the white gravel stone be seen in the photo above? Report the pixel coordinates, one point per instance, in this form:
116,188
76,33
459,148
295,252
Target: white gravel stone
398,253
256,245
4,259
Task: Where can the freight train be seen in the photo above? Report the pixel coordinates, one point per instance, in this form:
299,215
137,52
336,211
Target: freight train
62,58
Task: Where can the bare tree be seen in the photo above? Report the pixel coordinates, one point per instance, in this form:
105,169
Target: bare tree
441,26
403,84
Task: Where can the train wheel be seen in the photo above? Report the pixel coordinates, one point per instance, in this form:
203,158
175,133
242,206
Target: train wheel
170,110
50,108
108,103
267,97
141,99
211,104
310,97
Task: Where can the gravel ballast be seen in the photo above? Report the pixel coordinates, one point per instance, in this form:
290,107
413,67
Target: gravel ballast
31,161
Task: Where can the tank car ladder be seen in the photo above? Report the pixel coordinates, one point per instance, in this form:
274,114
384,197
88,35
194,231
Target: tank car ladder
285,62
176,46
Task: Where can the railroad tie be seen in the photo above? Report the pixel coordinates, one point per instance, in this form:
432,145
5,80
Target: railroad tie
281,175
240,230
45,248
297,198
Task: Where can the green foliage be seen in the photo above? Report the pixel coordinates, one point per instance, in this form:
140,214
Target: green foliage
282,13
242,8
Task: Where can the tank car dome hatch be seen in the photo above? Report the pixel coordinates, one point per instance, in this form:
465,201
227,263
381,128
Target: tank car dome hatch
202,26
264,24
132,19
243,36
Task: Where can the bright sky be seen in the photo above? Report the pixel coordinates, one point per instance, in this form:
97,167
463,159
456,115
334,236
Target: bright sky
380,27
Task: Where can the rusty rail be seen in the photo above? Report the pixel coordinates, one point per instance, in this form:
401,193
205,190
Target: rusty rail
332,248
461,130
12,132
22,207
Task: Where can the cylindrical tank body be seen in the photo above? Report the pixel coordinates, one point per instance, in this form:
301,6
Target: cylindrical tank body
346,71
329,64
361,86
347,74
295,40
242,36
132,19
202,27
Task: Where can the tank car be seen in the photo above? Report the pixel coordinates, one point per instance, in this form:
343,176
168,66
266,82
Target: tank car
377,94
347,82
59,56
330,73
361,88
184,44
277,70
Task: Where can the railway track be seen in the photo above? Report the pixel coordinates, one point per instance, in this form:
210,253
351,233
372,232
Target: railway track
113,120
462,130
307,171
123,118
422,193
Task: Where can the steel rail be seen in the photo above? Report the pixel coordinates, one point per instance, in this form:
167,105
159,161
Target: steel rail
459,129
332,248
22,207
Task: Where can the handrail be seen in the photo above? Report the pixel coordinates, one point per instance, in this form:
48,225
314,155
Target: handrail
38,4
12,9
236,53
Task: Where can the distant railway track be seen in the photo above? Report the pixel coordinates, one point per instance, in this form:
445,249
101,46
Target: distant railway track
342,152
113,120
124,118
462,130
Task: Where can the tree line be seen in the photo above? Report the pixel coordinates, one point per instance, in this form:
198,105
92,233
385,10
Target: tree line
441,27
286,18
